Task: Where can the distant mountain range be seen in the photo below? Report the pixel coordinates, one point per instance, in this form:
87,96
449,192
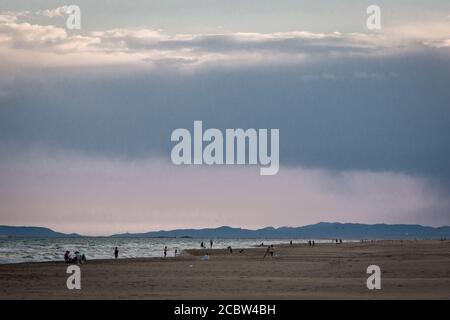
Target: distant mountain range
322,230
12,231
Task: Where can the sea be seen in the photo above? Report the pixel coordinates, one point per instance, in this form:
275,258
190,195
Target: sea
19,250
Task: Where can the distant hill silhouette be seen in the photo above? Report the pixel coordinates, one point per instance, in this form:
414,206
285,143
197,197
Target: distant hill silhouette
13,231
323,230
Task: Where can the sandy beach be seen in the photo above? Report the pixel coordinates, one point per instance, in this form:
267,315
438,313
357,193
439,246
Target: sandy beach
410,270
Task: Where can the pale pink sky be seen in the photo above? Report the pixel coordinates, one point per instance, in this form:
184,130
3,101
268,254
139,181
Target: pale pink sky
94,196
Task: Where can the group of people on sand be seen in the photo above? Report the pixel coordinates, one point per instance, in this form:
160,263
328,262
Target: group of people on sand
75,257
270,251
311,243
116,252
176,251
203,246
79,258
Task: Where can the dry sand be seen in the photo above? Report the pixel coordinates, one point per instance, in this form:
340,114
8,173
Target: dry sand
410,270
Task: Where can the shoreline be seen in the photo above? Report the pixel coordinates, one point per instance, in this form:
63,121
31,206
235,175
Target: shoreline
217,245
284,244
409,269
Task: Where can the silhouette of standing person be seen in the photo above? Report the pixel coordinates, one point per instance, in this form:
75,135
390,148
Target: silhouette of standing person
271,251
211,243
116,252
165,252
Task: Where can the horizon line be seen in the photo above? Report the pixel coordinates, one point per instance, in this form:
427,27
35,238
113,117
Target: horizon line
227,226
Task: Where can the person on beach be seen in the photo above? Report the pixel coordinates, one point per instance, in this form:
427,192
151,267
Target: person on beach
165,252
116,252
269,252
230,249
309,243
176,252
313,243
202,245
67,256
78,258
71,258
290,243
211,243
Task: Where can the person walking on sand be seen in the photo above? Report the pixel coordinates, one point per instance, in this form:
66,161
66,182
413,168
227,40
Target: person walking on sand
271,251
165,252
116,252
211,243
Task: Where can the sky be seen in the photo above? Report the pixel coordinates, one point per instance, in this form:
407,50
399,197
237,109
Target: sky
86,115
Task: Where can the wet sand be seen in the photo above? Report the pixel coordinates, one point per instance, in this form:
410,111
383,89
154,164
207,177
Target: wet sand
410,270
